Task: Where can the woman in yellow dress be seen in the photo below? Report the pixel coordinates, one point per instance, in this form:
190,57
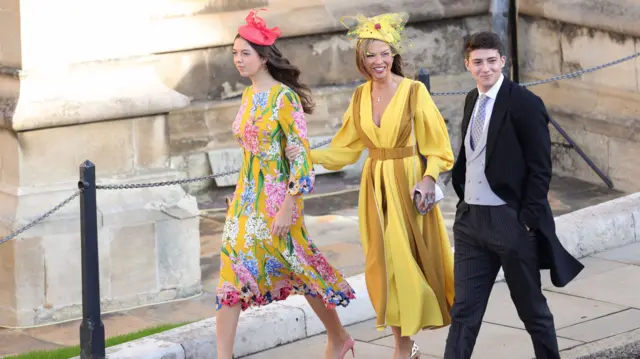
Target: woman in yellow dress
408,257
266,252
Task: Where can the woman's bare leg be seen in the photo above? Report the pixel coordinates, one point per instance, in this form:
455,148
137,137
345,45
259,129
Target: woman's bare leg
336,334
226,325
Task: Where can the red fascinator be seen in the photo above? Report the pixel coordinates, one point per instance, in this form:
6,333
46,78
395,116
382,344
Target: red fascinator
256,30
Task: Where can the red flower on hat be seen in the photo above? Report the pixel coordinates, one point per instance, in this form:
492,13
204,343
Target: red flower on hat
256,30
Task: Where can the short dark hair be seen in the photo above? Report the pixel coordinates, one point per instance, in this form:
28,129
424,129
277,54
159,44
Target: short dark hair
483,40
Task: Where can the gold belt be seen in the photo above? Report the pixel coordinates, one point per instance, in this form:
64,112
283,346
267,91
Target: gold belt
382,154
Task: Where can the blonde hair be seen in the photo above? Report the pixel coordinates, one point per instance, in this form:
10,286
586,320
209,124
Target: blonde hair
361,53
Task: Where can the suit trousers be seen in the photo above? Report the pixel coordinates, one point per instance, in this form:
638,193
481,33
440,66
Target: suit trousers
486,238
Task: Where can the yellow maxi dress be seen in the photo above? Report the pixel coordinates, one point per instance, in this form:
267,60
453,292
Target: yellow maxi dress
409,260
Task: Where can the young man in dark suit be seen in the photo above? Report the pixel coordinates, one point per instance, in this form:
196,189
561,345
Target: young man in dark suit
502,176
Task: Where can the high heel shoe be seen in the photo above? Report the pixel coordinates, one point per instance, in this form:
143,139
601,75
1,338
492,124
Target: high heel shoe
348,345
415,351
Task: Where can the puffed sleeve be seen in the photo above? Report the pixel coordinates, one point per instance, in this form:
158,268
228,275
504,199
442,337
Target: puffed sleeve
432,135
294,125
345,147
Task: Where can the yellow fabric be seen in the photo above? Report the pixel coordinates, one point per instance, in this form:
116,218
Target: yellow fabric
409,261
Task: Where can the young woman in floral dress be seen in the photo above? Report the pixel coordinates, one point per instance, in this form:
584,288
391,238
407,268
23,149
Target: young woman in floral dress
266,251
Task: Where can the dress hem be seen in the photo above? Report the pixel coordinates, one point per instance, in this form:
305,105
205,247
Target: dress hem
248,299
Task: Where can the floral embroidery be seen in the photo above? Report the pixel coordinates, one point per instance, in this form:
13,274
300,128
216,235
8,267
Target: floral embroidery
256,268
275,192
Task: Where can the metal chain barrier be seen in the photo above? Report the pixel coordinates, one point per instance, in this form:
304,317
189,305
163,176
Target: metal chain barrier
555,78
323,143
188,180
41,218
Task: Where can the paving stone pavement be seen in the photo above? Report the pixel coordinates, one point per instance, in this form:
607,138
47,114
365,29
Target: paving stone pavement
601,302
331,218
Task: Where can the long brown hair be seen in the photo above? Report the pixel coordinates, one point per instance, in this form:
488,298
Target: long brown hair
283,71
361,53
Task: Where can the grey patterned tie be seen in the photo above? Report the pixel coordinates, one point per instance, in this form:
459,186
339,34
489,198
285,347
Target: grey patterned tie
478,121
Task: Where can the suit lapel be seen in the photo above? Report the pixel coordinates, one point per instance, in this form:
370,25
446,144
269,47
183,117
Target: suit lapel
498,115
468,112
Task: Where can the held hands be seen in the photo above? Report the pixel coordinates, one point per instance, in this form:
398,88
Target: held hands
292,152
283,219
428,189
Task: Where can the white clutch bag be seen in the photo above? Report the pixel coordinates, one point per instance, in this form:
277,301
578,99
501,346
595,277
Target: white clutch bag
418,196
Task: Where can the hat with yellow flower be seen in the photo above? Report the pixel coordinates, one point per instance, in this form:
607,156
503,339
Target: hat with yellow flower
387,27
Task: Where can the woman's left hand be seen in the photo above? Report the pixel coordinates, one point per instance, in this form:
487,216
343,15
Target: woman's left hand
428,188
282,221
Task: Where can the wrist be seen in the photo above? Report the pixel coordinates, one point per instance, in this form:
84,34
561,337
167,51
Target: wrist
288,202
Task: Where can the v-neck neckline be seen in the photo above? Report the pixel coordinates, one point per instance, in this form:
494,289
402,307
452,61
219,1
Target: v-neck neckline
387,107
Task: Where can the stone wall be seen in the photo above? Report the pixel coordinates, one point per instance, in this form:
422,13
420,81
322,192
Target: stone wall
600,110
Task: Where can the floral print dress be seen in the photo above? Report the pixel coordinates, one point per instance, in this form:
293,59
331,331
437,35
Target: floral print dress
256,267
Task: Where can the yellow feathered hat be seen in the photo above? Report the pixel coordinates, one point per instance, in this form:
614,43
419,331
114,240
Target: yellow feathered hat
386,27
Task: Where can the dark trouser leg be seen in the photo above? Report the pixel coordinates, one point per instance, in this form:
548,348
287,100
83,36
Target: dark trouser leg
519,259
475,271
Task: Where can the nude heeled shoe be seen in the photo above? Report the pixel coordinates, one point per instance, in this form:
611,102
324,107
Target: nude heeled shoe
348,345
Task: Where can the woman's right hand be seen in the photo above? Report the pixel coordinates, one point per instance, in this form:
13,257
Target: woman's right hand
292,152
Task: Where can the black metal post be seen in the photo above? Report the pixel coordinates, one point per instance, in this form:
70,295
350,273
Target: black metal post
499,11
425,78
513,40
584,156
92,341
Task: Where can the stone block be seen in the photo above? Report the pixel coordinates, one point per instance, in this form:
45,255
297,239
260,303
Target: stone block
567,161
607,225
224,160
54,154
10,33
637,66
578,44
178,246
494,341
30,271
358,310
198,339
618,286
539,47
258,330
151,142
603,327
619,16
133,260
197,165
621,346
567,310
62,265
92,92
146,348
202,126
622,156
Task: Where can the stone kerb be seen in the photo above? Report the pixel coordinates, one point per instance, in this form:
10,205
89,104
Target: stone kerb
583,232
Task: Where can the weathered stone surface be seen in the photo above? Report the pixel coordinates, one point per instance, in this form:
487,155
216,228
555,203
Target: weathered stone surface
146,348
540,48
597,228
151,142
178,244
93,92
10,33
183,25
611,15
359,309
